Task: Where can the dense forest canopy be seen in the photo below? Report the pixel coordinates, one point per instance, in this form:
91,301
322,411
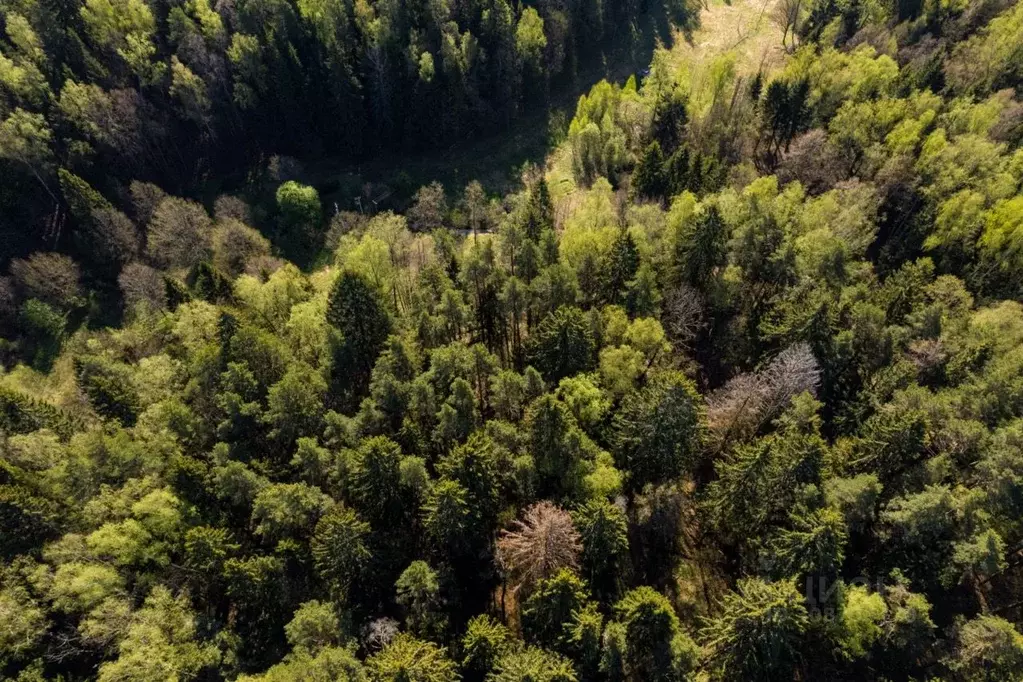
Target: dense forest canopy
730,388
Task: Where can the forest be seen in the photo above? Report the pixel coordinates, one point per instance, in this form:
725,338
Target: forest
729,387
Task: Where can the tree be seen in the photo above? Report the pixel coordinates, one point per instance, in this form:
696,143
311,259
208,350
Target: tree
339,550
543,542
557,447
815,545
52,278
548,613
562,345
658,431
485,642
623,262
756,636
354,310
603,531
656,648
700,249
178,234
474,201
160,642
531,664
142,287
26,139
648,180
987,647
299,215
407,659
539,209
112,237
418,592
295,405
531,42
314,627
288,510
429,210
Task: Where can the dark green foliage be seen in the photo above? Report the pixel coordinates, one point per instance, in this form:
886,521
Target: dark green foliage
701,248
757,635
658,431
355,311
656,648
43,328
603,529
20,413
108,386
548,614
621,267
649,181
339,550
670,119
210,284
562,345
26,520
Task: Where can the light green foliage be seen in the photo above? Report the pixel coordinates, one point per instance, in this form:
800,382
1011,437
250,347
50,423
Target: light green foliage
284,510
584,399
299,206
530,40
25,138
127,28
990,58
601,134
314,627
330,664
987,646
484,643
533,665
160,643
747,335
78,587
407,659
855,498
24,624
861,620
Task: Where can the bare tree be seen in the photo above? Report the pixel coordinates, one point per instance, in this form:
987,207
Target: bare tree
50,277
235,244
145,197
813,160
179,233
683,313
740,407
539,545
429,210
380,632
142,285
228,206
112,236
788,15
